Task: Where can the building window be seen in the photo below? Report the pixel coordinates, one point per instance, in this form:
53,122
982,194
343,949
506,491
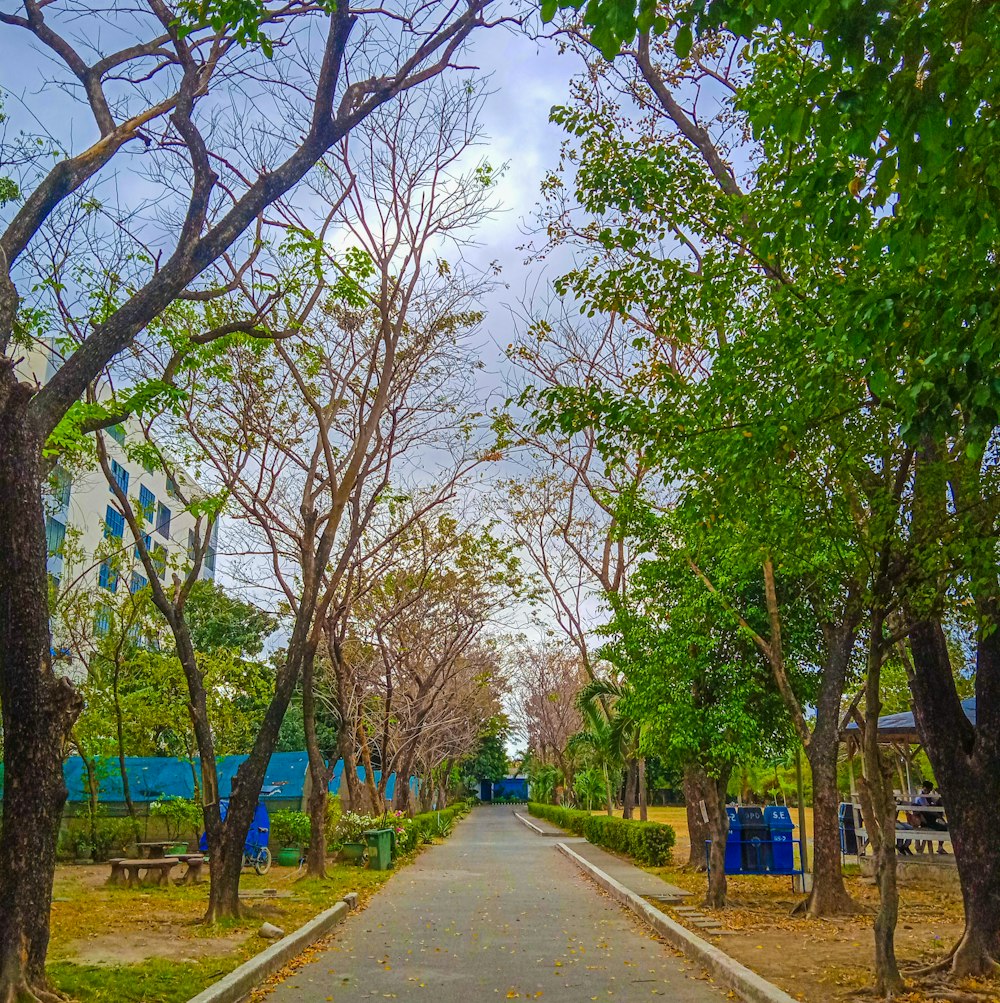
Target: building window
114,524
62,484
120,475
107,578
147,542
147,502
159,556
102,623
139,582
163,520
171,487
210,561
117,432
55,533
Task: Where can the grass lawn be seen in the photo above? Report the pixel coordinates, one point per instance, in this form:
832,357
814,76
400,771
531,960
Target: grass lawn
147,945
820,960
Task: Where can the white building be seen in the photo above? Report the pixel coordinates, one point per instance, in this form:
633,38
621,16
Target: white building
84,506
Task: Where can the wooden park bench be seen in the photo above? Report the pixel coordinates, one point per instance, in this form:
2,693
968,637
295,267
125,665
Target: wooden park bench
126,872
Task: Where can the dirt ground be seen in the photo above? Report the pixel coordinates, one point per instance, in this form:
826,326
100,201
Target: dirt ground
104,938
821,960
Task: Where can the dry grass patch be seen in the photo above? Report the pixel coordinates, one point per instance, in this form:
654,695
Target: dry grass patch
149,945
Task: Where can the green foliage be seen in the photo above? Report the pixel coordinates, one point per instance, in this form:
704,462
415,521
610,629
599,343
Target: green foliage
246,19
589,788
181,816
105,838
490,761
220,621
438,824
351,826
542,781
291,828
612,23
647,842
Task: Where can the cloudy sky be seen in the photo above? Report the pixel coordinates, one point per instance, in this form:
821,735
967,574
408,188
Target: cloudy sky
526,77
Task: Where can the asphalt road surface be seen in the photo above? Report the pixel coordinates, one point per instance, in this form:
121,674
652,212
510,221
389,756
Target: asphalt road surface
493,913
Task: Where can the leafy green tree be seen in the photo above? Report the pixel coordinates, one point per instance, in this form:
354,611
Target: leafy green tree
883,234
334,67
221,621
702,692
490,761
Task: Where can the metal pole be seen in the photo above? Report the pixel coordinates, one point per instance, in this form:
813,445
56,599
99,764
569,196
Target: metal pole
804,841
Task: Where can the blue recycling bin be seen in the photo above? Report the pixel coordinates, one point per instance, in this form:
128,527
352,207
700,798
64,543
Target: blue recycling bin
781,827
734,858
756,843
848,833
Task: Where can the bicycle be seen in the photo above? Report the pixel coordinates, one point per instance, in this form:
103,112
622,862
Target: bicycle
258,857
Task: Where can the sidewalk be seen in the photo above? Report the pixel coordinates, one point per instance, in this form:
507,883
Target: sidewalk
635,879
495,912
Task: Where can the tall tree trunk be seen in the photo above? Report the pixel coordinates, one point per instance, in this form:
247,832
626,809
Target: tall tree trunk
879,809
319,775
966,762
641,781
697,788
718,829
829,895
349,774
38,708
224,890
348,726
93,794
122,765
376,803
965,757
628,796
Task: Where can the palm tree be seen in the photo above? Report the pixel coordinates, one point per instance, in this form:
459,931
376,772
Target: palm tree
602,703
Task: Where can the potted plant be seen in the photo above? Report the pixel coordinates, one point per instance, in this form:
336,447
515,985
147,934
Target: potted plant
349,835
291,829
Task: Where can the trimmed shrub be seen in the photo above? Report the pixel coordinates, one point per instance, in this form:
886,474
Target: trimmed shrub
431,824
291,828
648,842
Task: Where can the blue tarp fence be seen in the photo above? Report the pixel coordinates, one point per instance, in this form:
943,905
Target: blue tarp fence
151,778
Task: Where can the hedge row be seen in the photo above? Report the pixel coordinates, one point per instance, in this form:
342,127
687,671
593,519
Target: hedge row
648,842
439,823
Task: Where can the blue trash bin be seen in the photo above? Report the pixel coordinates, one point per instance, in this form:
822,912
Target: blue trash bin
734,849
756,840
848,834
781,827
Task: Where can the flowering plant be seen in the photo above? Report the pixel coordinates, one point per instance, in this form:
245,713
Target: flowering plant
351,826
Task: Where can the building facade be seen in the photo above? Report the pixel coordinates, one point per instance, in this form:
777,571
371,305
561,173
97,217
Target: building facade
89,541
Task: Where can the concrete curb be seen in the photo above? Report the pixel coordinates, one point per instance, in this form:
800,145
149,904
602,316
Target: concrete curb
531,825
725,970
250,974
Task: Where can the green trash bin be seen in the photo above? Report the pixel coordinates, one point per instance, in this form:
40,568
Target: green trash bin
380,848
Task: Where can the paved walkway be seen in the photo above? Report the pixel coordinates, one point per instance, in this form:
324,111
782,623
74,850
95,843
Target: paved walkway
493,913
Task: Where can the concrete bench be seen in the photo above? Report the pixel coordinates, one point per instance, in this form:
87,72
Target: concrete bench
126,872
195,862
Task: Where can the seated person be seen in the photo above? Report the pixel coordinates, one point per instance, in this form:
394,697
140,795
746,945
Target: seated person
932,819
903,845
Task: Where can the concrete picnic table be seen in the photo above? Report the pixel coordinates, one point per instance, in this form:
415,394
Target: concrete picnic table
156,850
